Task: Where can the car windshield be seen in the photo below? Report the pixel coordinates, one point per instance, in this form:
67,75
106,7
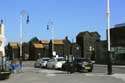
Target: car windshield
45,59
82,60
60,59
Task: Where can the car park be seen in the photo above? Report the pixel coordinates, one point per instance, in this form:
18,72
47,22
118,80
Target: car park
78,65
56,63
41,62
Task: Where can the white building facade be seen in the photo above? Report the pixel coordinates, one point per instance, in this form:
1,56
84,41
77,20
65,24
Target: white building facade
2,40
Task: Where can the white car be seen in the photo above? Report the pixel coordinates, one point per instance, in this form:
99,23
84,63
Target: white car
41,62
56,63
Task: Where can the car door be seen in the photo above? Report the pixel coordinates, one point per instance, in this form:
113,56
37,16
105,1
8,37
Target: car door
53,63
50,63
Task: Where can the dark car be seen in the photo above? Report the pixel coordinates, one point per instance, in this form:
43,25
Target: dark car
83,64
78,65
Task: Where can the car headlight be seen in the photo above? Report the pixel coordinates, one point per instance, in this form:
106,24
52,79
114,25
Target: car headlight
85,63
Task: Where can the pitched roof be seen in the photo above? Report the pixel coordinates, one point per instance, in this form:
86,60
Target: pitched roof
95,34
44,41
81,34
38,45
58,42
13,44
34,40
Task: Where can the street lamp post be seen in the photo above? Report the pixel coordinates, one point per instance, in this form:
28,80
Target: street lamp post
109,64
22,13
50,26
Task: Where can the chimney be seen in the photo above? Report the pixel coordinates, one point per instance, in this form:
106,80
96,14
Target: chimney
66,38
1,21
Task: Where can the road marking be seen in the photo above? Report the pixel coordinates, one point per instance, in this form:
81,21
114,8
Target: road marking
49,75
50,72
95,74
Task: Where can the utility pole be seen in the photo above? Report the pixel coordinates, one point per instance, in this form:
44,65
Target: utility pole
109,64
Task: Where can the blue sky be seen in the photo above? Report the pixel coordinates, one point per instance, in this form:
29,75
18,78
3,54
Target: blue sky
69,17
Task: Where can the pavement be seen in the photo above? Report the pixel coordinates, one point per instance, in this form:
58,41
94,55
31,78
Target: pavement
116,75
115,66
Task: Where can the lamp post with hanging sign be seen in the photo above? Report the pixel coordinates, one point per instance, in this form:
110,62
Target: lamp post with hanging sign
50,27
22,13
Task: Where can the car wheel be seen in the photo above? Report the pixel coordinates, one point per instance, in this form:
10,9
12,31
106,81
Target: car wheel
53,66
90,70
46,66
72,70
35,66
40,66
63,68
75,69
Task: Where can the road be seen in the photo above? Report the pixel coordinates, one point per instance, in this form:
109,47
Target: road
103,69
30,74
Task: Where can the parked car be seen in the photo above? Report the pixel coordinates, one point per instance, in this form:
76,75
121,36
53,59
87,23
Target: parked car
56,63
41,62
78,64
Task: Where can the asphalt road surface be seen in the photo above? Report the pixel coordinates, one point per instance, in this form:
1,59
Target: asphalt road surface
103,69
30,74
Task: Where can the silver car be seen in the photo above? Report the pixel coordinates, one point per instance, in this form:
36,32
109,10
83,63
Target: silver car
56,63
41,63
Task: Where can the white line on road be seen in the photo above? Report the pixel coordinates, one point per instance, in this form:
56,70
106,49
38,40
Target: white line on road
49,75
95,74
49,72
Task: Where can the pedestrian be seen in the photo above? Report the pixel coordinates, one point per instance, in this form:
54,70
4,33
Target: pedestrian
13,66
